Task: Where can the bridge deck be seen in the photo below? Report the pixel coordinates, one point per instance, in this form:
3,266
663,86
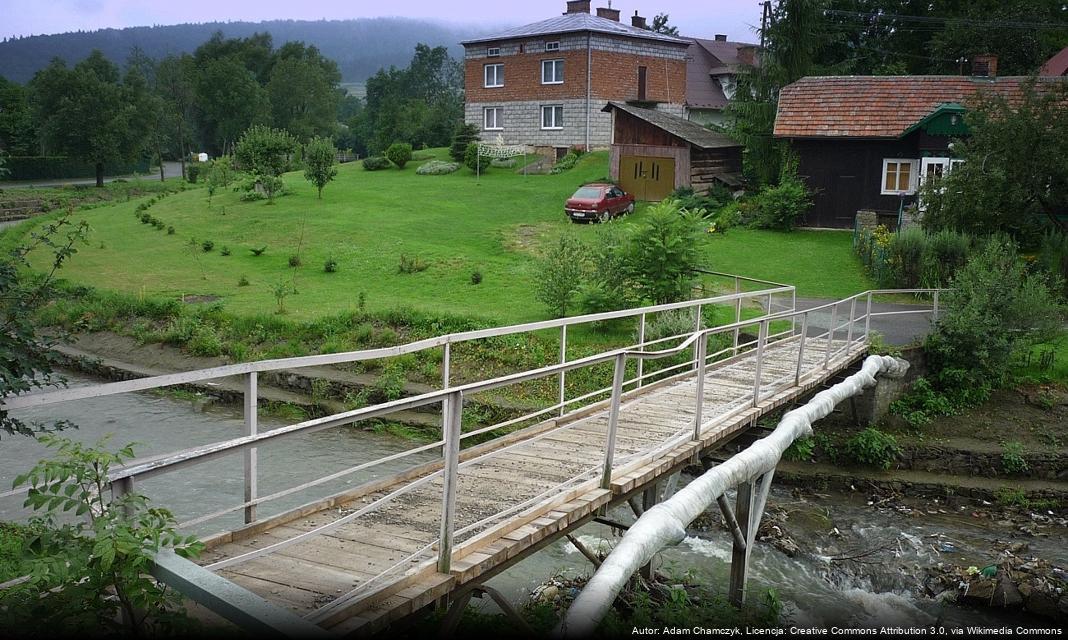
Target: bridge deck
552,470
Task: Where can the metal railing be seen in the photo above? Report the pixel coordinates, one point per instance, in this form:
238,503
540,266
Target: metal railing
448,470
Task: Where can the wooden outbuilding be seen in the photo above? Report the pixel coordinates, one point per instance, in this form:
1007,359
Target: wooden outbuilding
654,152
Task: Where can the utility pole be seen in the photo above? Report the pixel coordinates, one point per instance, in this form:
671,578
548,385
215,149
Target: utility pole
765,18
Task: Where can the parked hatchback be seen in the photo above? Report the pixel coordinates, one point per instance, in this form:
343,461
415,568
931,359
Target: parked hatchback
598,201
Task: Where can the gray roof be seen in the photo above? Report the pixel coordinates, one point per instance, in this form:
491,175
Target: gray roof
572,22
687,130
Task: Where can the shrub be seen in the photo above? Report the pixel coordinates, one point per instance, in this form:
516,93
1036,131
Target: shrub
782,206
922,403
801,450
207,246
476,277
252,196
220,175
1053,256
411,265
945,253
474,161
243,281
192,172
464,135
265,152
225,251
559,274
170,230
258,252
437,168
905,256
294,260
566,163
662,253
399,153
375,163
1012,460
330,266
607,286
873,447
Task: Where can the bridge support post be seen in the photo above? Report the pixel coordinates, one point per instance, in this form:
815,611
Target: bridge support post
251,457
649,497
454,405
744,504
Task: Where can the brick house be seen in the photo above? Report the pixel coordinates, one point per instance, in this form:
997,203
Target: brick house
545,84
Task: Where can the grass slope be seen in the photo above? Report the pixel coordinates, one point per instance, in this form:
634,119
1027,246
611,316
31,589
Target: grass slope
368,220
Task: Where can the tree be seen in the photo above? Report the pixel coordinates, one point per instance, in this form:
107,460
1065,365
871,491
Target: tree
464,135
89,113
220,175
303,91
560,274
17,133
266,152
229,101
175,86
660,25
319,158
1015,173
662,255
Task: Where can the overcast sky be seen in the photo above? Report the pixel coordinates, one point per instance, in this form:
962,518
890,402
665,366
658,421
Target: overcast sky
33,17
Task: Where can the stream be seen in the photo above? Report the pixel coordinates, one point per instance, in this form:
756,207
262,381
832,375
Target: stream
895,543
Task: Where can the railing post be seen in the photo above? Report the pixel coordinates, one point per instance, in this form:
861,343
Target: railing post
641,345
935,311
563,360
849,331
737,319
446,364
121,487
454,404
801,349
702,356
867,320
251,428
830,335
613,419
762,338
793,307
696,328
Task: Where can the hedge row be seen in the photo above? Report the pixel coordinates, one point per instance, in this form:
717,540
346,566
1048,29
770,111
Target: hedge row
60,167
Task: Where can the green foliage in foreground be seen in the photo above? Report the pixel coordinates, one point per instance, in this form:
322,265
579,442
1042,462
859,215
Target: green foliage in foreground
90,573
873,447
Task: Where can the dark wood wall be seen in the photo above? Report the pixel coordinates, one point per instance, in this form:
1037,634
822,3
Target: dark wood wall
846,175
706,164
631,130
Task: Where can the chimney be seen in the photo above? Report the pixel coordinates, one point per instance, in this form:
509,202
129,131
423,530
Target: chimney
747,55
611,14
721,37
985,66
578,6
638,21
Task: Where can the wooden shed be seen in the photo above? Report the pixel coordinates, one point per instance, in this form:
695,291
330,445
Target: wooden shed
654,152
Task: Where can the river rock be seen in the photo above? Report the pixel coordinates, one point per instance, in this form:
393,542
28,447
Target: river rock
1006,595
1043,604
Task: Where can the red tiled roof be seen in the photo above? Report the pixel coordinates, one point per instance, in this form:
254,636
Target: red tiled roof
1057,65
875,106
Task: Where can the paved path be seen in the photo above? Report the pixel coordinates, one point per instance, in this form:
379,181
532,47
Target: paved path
896,330
170,170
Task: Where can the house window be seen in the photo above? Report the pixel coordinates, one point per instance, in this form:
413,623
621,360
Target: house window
494,74
552,46
552,71
493,52
899,177
552,116
491,118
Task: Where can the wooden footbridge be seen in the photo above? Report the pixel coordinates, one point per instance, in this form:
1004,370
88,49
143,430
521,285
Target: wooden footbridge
356,561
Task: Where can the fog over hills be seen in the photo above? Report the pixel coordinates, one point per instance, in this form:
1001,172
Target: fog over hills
360,46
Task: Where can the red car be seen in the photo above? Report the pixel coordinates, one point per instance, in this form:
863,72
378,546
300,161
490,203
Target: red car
598,201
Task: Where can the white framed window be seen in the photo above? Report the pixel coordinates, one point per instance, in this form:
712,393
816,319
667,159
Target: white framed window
491,118
552,71
494,75
552,116
552,46
493,52
899,177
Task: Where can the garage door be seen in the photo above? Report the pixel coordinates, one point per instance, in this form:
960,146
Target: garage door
648,178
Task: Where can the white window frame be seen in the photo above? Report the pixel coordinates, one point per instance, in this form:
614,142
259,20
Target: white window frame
497,113
553,66
556,124
493,52
914,170
498,76
552,46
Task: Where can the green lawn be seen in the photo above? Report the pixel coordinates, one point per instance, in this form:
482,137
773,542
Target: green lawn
368,220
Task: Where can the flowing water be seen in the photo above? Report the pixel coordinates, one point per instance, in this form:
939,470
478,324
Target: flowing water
815,589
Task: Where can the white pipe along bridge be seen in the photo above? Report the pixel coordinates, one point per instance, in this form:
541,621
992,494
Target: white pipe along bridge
398,541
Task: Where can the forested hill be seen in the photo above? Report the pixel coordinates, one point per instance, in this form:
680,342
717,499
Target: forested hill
360,47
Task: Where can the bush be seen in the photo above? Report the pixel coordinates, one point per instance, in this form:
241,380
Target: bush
607,286
243,281
207,246
330,266
873,447
411,265
559,274
1012,460
905,257
782,206
566,163
464,135
946,252
225,251
437,168
294,261
476,277
662,253
192,172
265,152
399,153
170,230
922,403
258,252
473,161
375,163
1053,256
